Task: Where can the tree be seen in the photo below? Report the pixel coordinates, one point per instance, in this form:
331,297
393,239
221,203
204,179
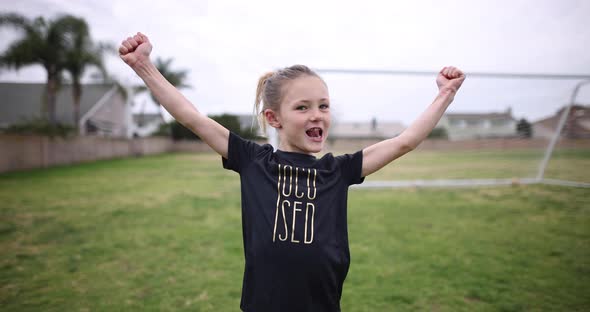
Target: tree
180,132
524,128
176,78
82,53
44,43
438,133
232,123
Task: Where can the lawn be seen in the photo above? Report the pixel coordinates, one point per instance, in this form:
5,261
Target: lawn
565,164
163,233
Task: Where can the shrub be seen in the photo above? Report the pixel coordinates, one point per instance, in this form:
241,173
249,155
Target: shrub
40,127
438,133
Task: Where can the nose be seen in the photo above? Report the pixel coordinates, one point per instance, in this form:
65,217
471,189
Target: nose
316,115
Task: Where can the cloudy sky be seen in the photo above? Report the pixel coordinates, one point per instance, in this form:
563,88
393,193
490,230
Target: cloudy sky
227,45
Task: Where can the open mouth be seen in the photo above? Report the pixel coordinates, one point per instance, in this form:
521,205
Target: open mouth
316,133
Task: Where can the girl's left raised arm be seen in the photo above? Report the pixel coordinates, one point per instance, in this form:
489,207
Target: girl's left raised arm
378,155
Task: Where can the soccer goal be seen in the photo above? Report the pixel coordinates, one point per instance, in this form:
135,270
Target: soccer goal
502,128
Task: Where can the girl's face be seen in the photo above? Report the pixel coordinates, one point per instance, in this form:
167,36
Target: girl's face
304,117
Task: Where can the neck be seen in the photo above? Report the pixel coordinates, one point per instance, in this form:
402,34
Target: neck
287,148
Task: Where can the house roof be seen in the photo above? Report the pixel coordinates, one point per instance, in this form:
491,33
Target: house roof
577,112
22,101
578,123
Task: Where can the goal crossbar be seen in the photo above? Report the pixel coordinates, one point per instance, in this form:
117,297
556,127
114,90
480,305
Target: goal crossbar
482,182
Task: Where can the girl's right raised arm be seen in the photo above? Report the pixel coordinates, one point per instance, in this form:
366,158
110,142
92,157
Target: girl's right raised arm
135,51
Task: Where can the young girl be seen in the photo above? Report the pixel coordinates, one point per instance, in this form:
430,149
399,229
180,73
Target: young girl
293,204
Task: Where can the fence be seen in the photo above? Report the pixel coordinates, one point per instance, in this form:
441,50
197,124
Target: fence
19,152
26,152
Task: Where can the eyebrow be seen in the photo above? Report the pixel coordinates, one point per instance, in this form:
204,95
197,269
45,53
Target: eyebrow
309,102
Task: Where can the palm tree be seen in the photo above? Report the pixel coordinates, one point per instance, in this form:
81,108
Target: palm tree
176,78
44,43
82,53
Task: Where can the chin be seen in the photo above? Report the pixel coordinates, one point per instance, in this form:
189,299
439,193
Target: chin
316,148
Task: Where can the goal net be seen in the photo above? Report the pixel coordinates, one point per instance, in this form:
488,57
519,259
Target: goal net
500,129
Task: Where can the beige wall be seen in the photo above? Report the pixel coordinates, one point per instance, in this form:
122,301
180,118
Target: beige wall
26,152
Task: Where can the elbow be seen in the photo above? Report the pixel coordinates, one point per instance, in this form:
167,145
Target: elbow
406,148
194,123
407,145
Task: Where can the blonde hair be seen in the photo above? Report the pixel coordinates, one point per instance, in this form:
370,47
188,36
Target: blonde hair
269,92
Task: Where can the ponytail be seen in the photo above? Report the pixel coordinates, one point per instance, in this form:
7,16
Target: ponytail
259,101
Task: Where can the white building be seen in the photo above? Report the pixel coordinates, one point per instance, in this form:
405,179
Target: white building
465,126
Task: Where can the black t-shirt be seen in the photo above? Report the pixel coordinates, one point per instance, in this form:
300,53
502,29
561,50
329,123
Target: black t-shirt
293,225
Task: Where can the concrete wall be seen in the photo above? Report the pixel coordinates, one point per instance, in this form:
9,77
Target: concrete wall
19,152
26,152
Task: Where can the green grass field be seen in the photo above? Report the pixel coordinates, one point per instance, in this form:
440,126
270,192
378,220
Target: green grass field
565,164
163,233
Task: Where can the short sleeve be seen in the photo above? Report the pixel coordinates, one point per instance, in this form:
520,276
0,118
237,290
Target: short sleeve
351,166
240,152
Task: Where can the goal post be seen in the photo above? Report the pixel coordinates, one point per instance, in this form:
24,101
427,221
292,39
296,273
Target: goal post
485,144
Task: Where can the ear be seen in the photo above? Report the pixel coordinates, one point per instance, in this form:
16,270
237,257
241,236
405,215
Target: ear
272,118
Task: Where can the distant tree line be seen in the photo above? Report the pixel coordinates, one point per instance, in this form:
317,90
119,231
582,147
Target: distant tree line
524,129
231,122
438,133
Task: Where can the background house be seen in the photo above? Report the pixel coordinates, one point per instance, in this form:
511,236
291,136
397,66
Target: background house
458,126
465,126
373,129
146,123
102,107
147,115
577,124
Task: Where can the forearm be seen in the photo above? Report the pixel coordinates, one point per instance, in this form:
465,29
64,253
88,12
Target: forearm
214,134
419,129
376,156
166,94
135,52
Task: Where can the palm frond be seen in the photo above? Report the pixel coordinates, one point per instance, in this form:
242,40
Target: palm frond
16,20
176,78
19,54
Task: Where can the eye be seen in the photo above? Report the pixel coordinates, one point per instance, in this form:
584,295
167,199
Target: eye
324,106
301,107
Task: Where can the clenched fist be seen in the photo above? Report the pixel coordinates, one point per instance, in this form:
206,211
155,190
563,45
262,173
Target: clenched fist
450,79
135,50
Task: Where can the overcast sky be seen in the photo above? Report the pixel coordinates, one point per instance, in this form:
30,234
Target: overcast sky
227,45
